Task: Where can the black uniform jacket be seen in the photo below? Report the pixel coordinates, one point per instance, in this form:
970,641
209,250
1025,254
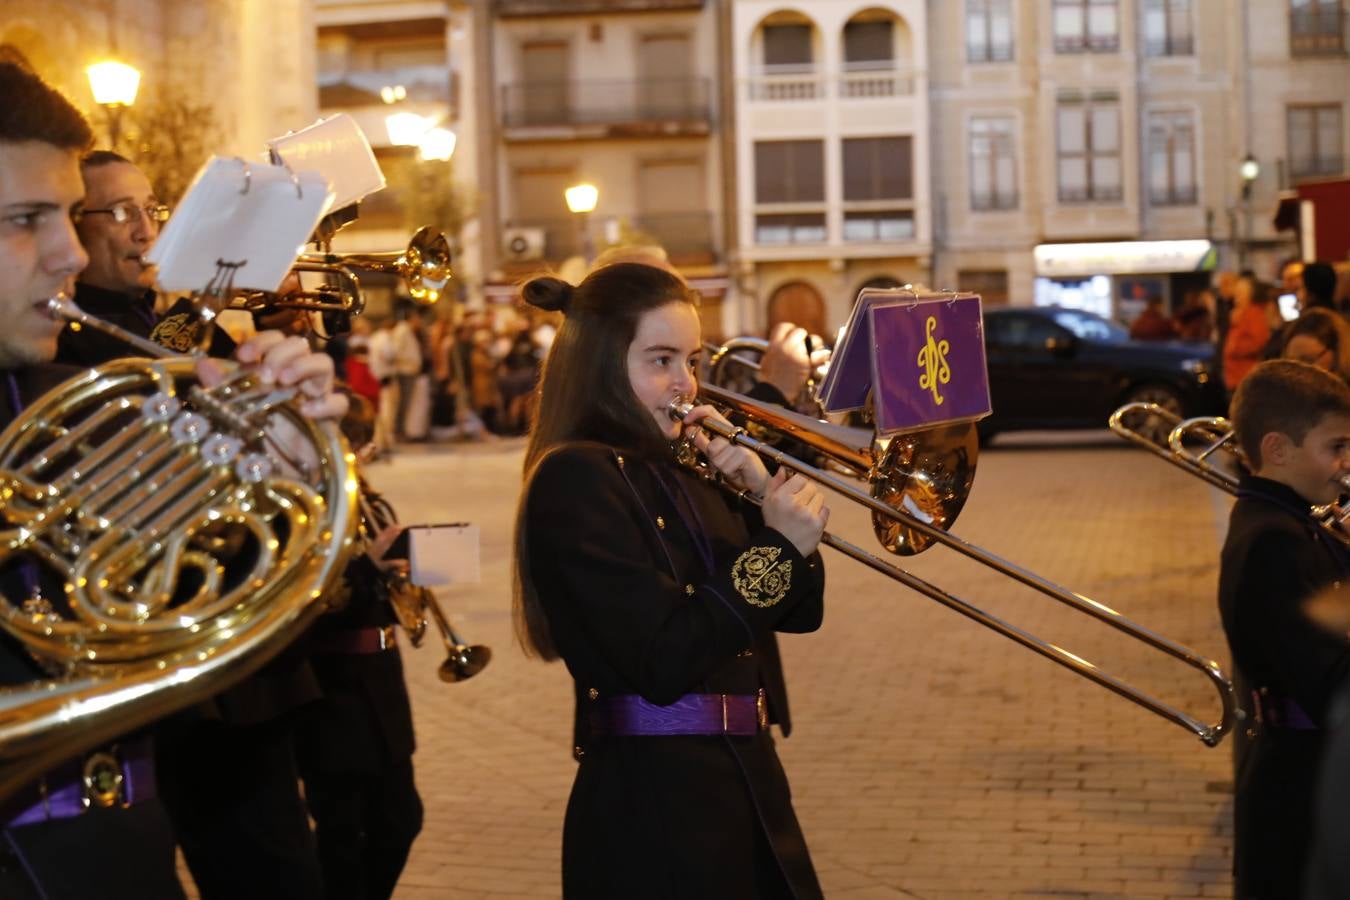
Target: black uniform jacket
31,382
130,851
618,548
1275,558
364,721
87,347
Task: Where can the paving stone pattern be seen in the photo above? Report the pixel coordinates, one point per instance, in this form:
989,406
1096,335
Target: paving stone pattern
932,758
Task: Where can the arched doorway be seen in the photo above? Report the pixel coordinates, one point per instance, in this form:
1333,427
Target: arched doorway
800,303
881,282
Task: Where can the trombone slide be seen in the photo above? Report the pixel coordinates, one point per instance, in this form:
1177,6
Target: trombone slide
1209,734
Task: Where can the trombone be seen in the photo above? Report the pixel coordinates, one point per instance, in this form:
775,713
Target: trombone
1214,435
923,479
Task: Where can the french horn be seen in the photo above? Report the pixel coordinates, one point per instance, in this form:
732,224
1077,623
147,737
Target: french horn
188,553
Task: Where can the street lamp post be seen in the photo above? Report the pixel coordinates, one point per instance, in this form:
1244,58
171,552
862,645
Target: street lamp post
1249,171
114,85
581,200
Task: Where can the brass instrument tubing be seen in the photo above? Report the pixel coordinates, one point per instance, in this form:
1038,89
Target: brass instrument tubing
1210,735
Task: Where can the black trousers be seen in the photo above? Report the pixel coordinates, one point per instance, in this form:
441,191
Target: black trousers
111,854
233,795
365,823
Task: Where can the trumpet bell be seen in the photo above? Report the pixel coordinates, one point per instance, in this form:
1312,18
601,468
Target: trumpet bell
426,265
464,662
927,475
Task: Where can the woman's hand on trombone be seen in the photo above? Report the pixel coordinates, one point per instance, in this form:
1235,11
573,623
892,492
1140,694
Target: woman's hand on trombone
742,467
794,506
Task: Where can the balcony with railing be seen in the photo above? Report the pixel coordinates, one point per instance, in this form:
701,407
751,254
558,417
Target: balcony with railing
858,81
1318,31
616,108
509,9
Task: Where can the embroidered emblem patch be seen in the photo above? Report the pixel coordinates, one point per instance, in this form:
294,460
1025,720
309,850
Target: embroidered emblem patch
760,578
178,332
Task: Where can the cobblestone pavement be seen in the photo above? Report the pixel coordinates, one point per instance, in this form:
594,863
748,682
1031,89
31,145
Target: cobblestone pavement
932,757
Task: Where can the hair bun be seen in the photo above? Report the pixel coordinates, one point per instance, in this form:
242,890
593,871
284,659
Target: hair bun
552,294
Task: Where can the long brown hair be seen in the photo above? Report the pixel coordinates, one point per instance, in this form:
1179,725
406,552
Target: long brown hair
585,394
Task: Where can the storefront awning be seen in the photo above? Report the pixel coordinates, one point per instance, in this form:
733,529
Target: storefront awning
1124,258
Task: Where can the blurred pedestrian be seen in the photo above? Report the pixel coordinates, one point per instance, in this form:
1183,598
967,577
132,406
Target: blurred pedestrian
1248,332
1153,324
1321,338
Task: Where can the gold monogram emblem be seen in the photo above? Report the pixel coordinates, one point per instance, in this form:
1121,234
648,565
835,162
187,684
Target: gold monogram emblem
933,361
177,332
760,578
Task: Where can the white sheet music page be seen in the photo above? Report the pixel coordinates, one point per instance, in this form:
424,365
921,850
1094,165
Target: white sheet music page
441,555
338,150
252,216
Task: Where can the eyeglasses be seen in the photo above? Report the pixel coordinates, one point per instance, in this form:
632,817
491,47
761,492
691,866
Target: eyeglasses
123,213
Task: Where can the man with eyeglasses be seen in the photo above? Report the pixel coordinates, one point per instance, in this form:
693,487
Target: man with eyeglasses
92,825
117,225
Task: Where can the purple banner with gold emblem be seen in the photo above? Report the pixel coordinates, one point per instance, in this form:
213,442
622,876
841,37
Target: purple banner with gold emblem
920,357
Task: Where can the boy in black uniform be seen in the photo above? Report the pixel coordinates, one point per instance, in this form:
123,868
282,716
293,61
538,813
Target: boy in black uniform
1293,423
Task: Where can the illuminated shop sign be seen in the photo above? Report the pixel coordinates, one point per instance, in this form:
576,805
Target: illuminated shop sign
1123,258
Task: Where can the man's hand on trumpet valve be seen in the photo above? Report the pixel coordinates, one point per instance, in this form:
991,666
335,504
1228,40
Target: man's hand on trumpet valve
741,467
287,362
795,507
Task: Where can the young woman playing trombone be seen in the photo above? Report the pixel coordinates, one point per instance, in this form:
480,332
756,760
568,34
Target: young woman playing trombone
660,591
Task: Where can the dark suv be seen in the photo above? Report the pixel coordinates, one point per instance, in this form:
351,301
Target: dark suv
1052,367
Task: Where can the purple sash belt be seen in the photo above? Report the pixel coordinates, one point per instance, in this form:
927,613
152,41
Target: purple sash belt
1281,712
630,715
101,779
356,641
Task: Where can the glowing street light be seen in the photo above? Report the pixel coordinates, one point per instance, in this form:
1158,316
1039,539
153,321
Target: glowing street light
581,198
406,129
437,144
114,85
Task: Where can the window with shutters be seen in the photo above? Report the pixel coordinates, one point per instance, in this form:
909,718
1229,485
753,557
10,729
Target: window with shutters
1315,140
1167,28
1171,158
989,30
1087,131
1086,26
993,163
790,192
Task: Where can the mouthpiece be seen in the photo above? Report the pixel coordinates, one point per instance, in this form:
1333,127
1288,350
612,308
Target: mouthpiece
678,408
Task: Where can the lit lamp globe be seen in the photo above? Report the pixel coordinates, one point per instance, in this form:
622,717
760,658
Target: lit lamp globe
581,198
438,144
1250,169
405,129
114,84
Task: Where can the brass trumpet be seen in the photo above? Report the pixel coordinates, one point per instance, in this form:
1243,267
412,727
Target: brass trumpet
918,484
424,266
412,603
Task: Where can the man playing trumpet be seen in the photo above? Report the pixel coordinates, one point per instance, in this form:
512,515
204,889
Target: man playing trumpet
101,806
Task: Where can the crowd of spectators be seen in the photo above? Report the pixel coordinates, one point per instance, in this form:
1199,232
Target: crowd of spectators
431,377
1245,320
